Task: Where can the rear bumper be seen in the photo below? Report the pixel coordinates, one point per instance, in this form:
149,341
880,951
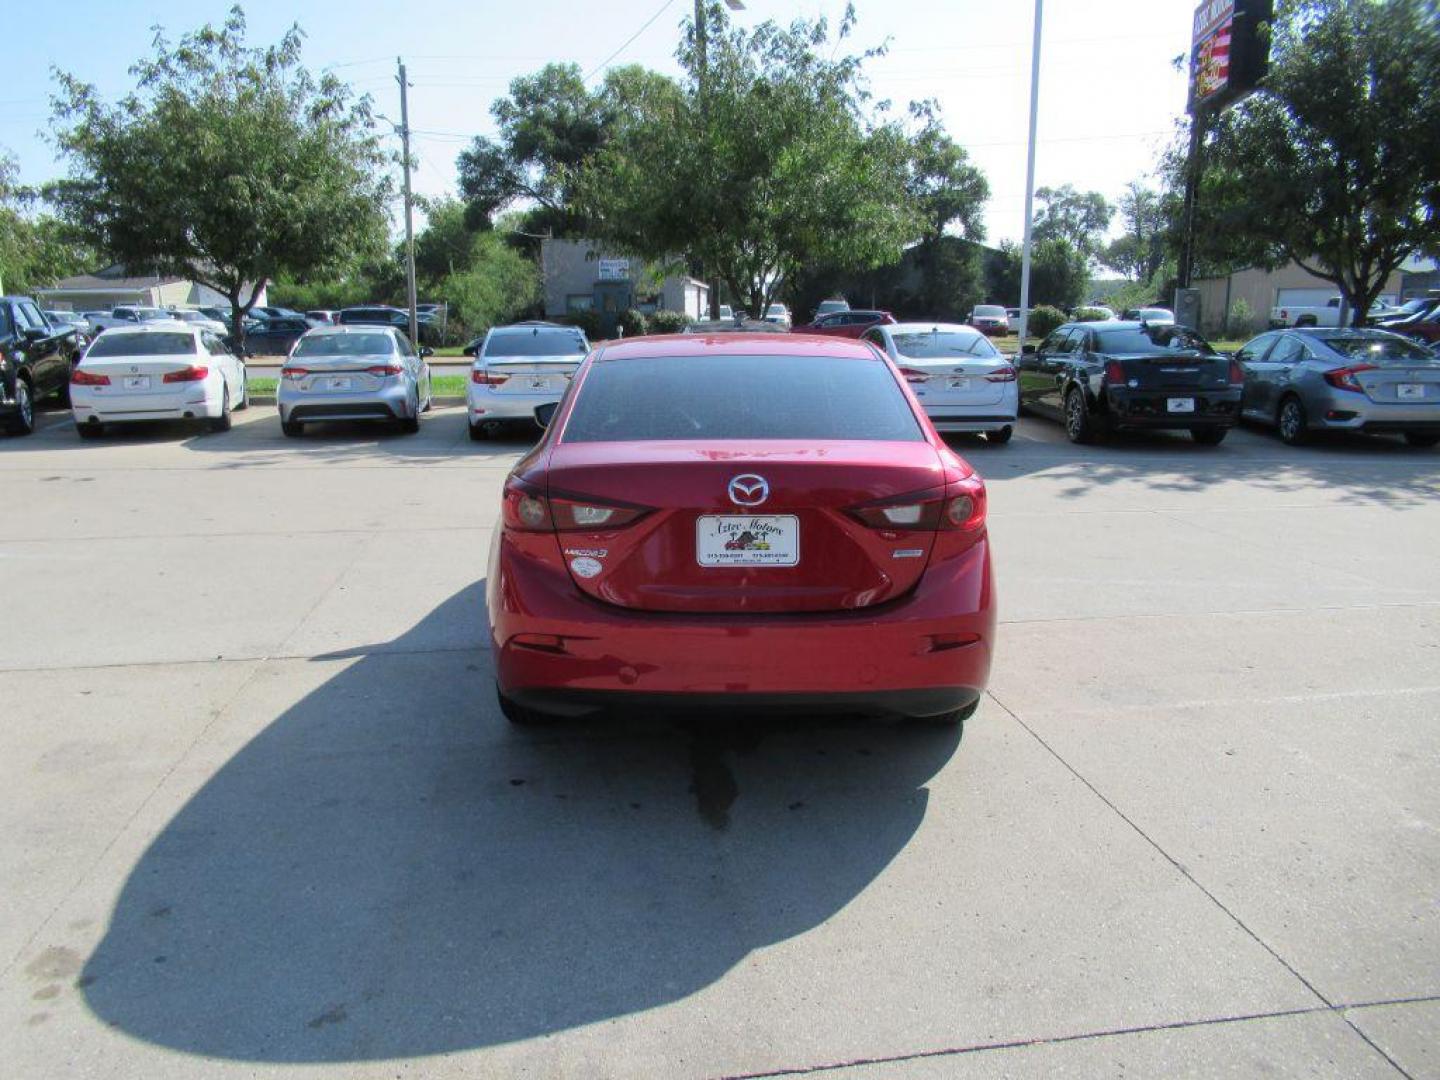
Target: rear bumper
957,420
201,401
1150,409
1343,412
391,402
924,654
483,404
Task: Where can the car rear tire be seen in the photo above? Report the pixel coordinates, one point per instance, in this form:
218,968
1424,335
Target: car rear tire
23,422
518,714
221,423
89,431
1079,427
1000,437
1422,439
292,428
479,433
1209,436
1292,422
409,425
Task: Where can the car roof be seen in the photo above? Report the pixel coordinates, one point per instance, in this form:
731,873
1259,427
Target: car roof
156,326
521,327
926,327
747,344
360,328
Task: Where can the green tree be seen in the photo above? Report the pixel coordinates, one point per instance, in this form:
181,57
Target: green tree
1335,161
228,164
772,165
1058,273
1140,250
497,284
1078,218
36,249
948,194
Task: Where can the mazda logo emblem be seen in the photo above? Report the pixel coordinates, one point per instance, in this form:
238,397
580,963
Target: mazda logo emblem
749,490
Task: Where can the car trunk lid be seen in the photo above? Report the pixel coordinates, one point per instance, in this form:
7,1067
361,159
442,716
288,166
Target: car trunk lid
697,551
1168,371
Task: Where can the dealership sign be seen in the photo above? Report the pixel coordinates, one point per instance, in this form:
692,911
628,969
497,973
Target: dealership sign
1228,51
614,269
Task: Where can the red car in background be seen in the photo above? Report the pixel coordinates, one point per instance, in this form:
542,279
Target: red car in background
845,323
744,522
992,320
1423,325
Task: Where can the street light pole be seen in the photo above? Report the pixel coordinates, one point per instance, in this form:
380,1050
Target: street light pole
409,221
702,72
1030,177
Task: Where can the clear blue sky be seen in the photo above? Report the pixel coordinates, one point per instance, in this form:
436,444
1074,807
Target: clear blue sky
1109,95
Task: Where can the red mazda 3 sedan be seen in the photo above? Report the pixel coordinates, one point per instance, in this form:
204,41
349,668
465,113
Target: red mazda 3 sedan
745,522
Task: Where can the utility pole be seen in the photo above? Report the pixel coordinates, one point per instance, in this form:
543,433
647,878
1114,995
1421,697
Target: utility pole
1030,178
409,219
702,73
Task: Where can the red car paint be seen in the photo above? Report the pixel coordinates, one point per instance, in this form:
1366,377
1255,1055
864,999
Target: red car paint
847,324
584,616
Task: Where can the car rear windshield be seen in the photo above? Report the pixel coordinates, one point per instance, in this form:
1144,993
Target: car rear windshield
345,345
1123,342
113,344
536,343
741,397
940,345
990,312
1377,349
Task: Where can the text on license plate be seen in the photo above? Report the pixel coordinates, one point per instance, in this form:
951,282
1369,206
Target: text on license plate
747,540
1408,391
137,382
1180,404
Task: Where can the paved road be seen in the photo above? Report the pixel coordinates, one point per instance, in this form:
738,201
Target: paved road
262,818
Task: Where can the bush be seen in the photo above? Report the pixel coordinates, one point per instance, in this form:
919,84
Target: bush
1044,319
589,322
1088,314
631,323
1242,319
668,322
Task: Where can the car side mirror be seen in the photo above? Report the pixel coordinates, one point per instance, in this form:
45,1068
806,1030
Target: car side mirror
426,350
545,413
1027,350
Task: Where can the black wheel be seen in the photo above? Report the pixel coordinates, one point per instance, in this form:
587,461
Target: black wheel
1079,427
1002,436
89,431
23,422
478,433
518,714
1208,436
1292,422
409,425
222,422
292,428
1422,439
953,718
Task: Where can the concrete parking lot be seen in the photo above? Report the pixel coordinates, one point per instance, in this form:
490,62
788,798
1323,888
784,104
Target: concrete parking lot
262,818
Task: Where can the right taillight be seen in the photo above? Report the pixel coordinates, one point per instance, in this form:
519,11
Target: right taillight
481,377
1237,373
81,377
1001,374
960,507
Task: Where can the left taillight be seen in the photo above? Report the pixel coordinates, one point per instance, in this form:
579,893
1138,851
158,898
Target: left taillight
527,509
193,373
961,506
914,375
1344,378
81,377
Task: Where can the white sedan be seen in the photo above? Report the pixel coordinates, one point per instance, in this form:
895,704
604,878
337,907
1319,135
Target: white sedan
156,371
963,382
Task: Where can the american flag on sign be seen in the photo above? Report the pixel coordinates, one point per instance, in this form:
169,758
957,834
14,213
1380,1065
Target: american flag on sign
1212,63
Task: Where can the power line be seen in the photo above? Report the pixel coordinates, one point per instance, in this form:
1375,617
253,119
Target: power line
645,26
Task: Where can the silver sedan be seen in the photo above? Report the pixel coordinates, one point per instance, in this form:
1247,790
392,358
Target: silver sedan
353,373
963,382
1326,379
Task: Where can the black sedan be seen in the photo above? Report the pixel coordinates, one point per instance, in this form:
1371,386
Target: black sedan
1095,377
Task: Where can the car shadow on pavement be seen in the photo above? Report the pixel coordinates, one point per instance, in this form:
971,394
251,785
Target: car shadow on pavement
387,870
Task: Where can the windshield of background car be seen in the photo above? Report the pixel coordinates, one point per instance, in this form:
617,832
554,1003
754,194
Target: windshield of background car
775,309
741,397
989,312
1171,339
536,343
345,345
1377,350
113,344
150,314
1153,313
940,345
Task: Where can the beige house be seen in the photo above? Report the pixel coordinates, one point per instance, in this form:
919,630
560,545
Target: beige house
116,285
1261,289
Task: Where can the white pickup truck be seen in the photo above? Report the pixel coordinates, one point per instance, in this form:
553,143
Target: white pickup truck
1307,313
